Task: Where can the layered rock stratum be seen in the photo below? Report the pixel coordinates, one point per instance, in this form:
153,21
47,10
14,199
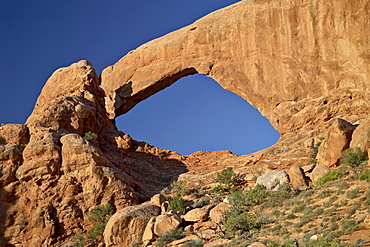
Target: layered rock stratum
301,63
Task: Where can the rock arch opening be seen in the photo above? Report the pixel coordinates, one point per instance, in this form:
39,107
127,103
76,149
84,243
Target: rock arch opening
196,113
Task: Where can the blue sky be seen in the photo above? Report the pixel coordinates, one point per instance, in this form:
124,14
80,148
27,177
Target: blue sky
38,37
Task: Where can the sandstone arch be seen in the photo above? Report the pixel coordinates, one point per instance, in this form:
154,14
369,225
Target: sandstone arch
299,62
194,114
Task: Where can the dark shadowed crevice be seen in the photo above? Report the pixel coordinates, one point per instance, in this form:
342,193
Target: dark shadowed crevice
196,114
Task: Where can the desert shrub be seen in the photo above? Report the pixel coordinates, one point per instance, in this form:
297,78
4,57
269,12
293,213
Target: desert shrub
239,224
359,242
89,136
243,199
364,175
288,243
100,216
334,226
217,189
318,211
349,226
351,211
303,220
299,208
177,204
324,193
202,202
313,153
278,197
306,193
328,243
291,216
354,158
79,241
367,200
275,229
193,243
170,236
178,187
352,194
238,220
341,184
227,180
287,223
330,176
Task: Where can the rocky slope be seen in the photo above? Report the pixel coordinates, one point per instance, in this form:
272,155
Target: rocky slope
302,63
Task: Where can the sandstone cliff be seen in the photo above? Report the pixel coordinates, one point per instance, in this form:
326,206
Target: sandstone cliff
300,62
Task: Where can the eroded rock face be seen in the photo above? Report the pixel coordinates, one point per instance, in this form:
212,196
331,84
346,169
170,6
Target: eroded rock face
53,177
300,62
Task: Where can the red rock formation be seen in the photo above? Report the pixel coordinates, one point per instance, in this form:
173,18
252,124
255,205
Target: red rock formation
300,62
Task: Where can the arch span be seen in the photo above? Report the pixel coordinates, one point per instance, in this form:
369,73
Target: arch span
285,57
196,114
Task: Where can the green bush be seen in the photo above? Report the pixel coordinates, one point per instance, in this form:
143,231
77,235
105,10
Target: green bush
243,199
330,176
288,243
177,204
178,187
349,226
240,224
100,216
354,158
364,175
226,176
193,243
89,136
217,189
328,243
79,241
226,179
170,236
313,153
202,202
352,194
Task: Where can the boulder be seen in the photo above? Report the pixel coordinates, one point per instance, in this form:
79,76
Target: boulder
217,242
166,222
190,238
125,226
196,215
273,179
216,214
361,135
308,168
158,200
297,177
257,244
319,171
148,234
204,225
338,140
